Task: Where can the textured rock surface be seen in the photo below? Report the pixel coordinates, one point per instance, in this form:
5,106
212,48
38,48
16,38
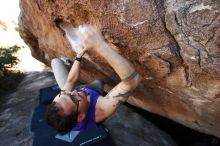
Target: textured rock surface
175,45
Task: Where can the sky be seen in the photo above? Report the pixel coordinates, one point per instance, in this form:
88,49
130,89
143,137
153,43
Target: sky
9,12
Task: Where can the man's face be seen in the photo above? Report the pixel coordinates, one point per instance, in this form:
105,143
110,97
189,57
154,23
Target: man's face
68,105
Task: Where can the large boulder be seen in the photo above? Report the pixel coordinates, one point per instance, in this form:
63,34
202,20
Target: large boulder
174,45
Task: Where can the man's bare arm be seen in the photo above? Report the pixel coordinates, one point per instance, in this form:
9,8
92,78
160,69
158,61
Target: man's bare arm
117,96
72,76
129,81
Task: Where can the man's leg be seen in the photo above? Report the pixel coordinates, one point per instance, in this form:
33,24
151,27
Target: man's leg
60,71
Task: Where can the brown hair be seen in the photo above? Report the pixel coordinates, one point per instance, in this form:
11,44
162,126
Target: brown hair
59,121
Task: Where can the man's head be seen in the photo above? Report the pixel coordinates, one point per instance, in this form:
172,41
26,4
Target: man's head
66,110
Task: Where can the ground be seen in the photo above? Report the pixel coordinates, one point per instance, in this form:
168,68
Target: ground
16,109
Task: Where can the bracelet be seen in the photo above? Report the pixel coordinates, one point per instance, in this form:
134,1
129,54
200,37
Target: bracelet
131,76
78,58
65,92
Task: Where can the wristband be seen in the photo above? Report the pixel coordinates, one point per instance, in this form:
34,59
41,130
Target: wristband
78,58
131,76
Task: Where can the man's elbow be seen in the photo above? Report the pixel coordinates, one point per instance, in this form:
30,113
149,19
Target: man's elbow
132,83
136,81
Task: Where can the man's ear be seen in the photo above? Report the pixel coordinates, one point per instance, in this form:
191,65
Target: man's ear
81,117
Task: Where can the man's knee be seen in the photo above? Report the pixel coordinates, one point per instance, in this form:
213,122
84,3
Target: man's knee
60,71
55,61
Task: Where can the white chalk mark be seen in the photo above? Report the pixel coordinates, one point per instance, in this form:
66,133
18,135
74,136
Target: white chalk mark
71,34
166,89
149,78
194,88
193,58
200,7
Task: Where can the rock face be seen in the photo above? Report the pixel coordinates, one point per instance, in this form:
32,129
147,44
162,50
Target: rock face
174,45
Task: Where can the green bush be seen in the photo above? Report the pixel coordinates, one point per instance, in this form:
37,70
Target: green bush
7,59
9,77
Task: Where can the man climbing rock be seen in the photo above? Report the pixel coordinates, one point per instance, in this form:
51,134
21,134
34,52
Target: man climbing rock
82,107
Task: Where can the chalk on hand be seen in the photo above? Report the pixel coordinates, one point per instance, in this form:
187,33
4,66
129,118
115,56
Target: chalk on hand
72,36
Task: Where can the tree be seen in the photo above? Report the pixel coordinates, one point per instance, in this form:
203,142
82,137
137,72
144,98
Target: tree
9,78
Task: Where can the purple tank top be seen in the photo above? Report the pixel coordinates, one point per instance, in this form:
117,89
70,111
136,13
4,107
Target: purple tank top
89,121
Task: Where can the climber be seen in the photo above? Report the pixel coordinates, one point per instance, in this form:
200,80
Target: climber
81,108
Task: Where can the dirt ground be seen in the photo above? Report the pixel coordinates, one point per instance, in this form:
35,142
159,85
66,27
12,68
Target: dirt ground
16,109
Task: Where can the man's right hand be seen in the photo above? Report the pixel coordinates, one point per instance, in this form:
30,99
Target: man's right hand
90,37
